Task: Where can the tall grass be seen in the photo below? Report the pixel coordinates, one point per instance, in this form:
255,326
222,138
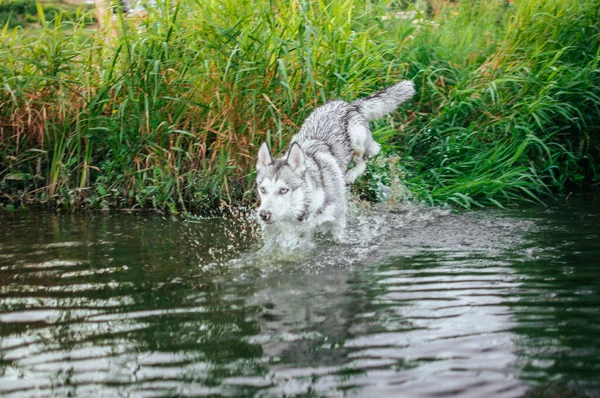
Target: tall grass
171,112
24,12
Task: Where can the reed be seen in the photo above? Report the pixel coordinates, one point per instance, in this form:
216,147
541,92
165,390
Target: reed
171,112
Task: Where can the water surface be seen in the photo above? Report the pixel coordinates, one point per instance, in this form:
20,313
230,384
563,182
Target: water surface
417,302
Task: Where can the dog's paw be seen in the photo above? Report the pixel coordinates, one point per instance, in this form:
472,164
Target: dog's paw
339,238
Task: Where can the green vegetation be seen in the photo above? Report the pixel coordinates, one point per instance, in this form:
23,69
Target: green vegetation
170,113
25,12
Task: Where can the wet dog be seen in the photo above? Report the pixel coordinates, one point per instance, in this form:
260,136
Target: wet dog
306,188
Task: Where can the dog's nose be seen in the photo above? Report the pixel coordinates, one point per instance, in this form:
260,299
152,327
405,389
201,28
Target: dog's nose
265,215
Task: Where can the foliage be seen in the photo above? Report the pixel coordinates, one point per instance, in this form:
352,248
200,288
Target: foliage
24,12
170,113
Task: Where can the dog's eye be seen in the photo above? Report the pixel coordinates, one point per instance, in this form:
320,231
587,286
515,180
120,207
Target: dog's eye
283,191
263,190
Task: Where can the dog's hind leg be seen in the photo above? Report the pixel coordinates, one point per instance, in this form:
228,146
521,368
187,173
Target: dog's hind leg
372,148
358,130
363,146
360,165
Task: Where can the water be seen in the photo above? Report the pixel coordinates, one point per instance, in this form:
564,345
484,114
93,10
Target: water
419,302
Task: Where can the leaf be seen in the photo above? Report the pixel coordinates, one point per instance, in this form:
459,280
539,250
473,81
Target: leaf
18,176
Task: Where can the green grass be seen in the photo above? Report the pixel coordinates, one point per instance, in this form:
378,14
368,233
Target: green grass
171,114
24,13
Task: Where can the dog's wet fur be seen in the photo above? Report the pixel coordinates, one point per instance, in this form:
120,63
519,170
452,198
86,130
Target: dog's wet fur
306,188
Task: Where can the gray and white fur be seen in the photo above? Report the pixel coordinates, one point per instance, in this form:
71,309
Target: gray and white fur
306,188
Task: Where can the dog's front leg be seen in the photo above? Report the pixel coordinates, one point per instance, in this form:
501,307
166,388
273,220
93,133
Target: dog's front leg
338,229
325,214
333,218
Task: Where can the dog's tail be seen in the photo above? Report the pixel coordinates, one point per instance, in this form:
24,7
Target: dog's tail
383,102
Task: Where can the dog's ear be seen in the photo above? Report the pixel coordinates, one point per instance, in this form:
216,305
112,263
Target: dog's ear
264,157
296,158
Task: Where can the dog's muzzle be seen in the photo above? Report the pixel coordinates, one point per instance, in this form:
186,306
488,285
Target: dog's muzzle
264,215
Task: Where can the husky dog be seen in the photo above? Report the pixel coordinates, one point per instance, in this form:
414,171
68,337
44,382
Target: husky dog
306,188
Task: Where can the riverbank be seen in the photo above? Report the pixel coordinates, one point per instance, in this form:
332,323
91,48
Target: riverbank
170,113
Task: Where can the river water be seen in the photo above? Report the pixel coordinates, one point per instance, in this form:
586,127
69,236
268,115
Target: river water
418,302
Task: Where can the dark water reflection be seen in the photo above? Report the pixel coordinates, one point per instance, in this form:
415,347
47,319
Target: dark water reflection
417,303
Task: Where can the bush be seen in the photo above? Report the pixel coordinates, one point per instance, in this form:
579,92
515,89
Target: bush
170,114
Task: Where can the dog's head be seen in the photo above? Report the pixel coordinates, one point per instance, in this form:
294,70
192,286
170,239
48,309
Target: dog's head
280,184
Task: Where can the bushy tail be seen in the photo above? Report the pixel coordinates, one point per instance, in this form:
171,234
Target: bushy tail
383,102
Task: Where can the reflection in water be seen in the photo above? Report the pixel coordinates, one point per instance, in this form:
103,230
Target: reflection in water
559,303
428,316
416,303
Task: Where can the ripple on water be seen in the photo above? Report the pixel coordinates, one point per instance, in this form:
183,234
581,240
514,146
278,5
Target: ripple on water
417,302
